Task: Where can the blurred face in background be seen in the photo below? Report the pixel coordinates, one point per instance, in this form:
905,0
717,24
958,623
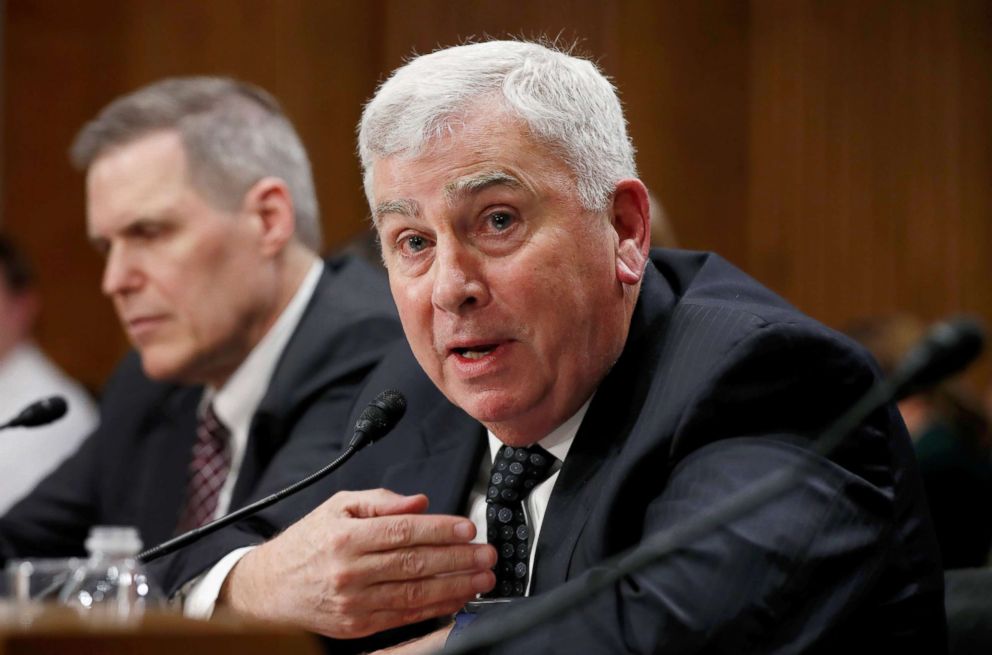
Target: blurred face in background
192,285
17,314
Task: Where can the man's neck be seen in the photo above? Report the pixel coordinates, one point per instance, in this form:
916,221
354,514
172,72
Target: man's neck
557,441
291,271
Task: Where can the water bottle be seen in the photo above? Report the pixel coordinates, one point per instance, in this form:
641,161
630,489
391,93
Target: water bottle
111,581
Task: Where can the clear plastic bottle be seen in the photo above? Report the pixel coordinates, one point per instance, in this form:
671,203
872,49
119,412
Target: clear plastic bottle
111,581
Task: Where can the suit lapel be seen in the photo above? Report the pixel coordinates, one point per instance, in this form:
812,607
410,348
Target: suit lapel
452,444
612,416
170,437
590,458
297,375
311,361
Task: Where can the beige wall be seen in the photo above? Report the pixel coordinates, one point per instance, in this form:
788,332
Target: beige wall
839,151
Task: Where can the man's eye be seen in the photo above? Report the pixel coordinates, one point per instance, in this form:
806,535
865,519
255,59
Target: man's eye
500,221
414,243
148,231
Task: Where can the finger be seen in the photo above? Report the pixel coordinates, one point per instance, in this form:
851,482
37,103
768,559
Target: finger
417,595
424,561
391,532
376,502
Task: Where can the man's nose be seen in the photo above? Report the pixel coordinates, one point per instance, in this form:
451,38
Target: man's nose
120,273
459,280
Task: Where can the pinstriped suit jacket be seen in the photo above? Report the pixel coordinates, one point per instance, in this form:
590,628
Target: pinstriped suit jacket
720,383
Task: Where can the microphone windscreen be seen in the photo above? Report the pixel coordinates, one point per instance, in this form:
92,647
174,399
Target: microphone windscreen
379,417
947,349
41,412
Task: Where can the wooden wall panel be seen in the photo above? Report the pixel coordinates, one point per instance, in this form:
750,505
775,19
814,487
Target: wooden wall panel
869,158
840,151
683,75
60,65
424,25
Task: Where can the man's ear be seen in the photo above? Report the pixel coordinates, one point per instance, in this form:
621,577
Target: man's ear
270,202
632,221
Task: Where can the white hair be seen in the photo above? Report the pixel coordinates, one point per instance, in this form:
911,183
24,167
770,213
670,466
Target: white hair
565,101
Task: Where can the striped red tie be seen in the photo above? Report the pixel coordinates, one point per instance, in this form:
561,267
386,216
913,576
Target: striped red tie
207,471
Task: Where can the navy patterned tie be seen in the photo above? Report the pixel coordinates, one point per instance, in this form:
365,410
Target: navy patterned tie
515,473
207,471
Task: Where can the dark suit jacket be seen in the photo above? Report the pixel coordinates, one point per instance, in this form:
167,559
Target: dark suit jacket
133,469
720,383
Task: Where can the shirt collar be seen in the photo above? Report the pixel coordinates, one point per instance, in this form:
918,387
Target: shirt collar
235,403
558,442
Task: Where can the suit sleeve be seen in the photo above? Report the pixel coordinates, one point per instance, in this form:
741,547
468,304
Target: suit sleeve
54,519
781,577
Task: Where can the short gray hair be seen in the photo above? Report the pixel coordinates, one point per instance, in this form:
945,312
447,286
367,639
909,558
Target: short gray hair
233,134
565,101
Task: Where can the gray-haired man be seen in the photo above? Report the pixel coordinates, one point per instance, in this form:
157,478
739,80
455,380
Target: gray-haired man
640,387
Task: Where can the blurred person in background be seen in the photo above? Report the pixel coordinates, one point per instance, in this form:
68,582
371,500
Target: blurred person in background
27,375
951,439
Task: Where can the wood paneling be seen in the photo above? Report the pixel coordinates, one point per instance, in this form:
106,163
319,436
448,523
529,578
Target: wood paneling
839,151
683,76
871,138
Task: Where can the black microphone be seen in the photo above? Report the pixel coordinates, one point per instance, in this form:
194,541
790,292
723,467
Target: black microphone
376,420
947,349
41,412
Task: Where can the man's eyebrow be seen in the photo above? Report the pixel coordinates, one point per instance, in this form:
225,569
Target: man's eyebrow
475,183
403,207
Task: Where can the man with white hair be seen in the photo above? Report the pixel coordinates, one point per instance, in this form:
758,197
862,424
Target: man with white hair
598,393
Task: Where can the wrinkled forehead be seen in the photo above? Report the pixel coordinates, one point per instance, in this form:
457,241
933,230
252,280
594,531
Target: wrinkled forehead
453,191
483,153
129,174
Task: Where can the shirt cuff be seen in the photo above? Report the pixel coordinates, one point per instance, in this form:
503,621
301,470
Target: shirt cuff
203,591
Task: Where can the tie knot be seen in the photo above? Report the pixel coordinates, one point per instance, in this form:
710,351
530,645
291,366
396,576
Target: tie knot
516,471
211,423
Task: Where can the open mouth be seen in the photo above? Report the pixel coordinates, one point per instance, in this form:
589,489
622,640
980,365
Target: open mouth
475,352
